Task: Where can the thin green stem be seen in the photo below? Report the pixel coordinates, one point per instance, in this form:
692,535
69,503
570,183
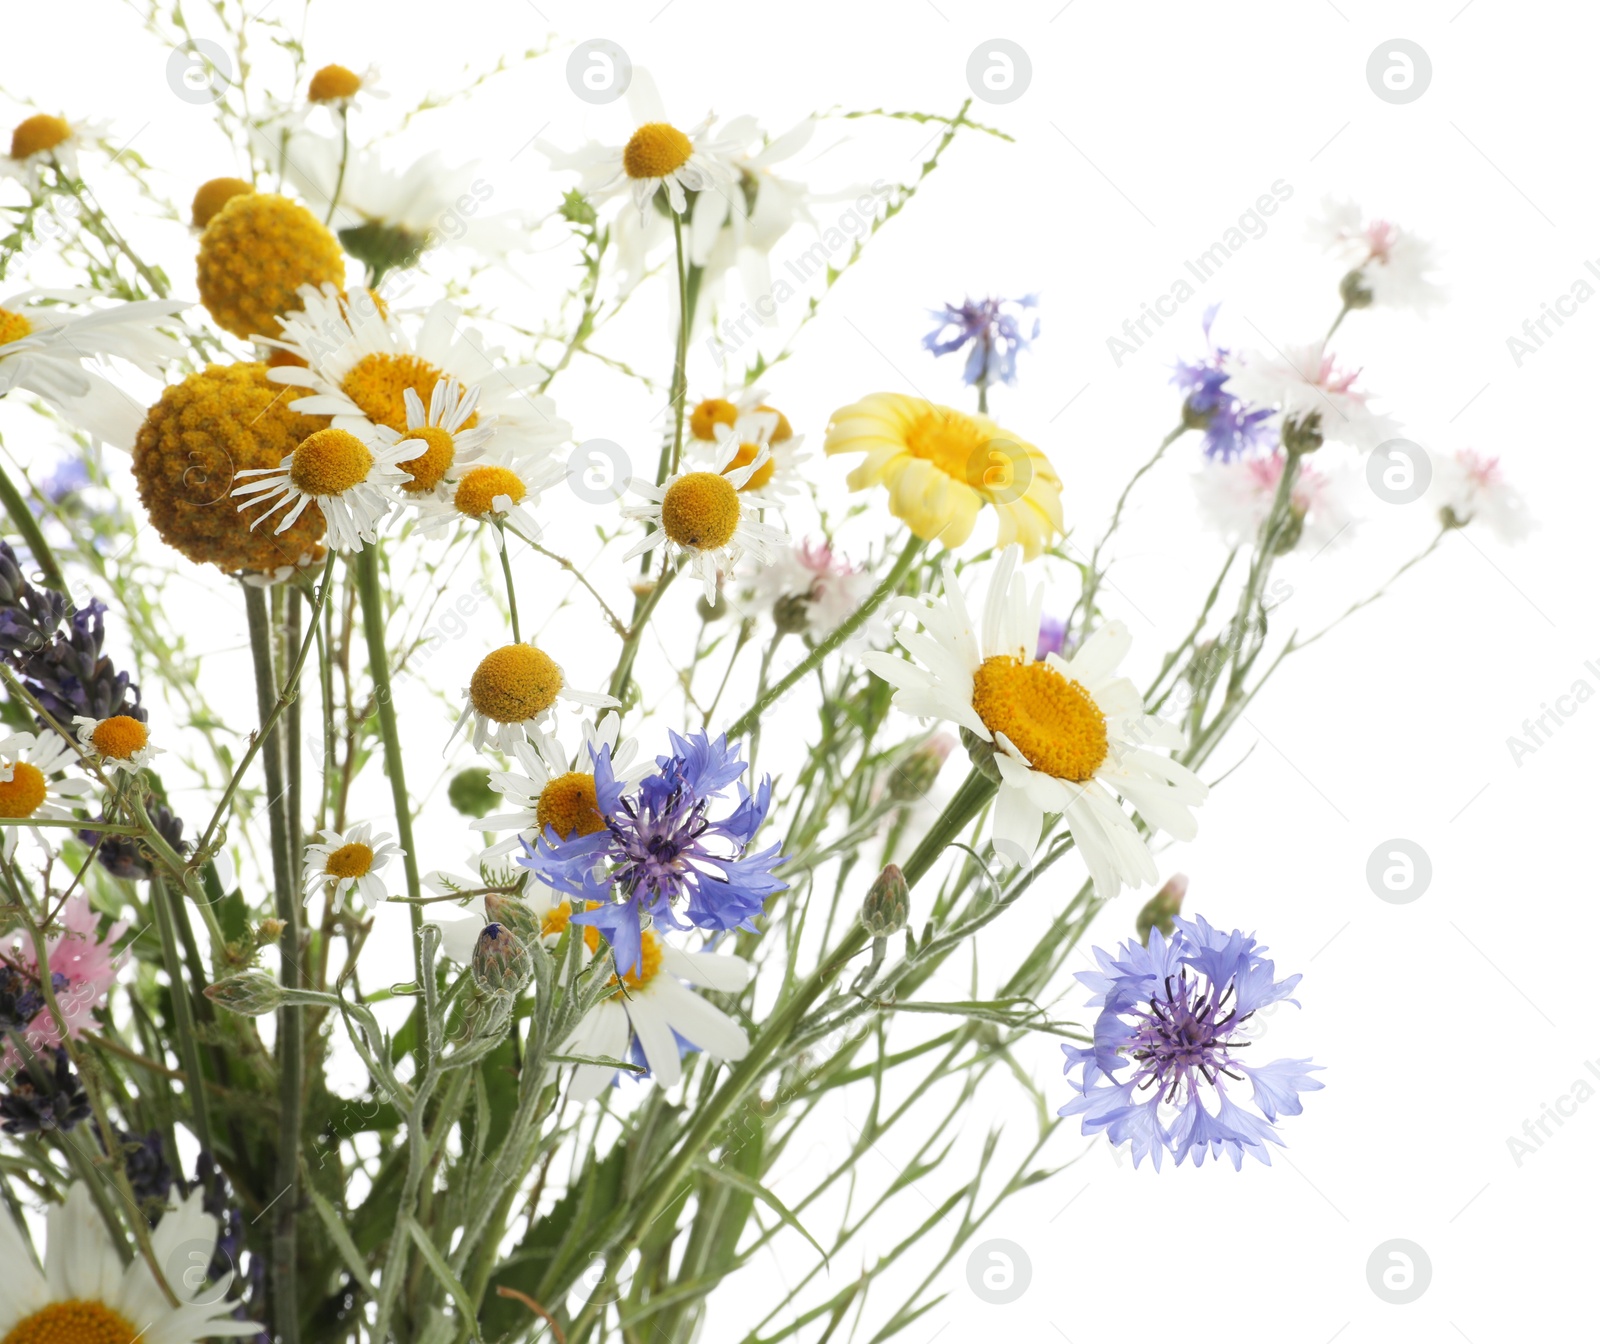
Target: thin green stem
28,526
511,587
344,162
182,1008
630,645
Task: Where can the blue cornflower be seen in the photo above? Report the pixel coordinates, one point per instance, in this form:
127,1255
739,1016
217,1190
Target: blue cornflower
1171,1012
1232,427
662,852
991,330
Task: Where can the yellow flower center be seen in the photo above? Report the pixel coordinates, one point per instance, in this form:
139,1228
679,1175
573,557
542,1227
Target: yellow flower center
352,860
1050,719
744,457
516,683
429,469
120,736
332,84
569,804
656,149
705,417
329,462
700,511
77,1320
13,326
476,493
784,430
555,923
21,795
39,134
378,385
956,444
213,195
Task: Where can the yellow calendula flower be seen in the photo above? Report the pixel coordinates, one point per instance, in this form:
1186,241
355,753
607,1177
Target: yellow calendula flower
941,466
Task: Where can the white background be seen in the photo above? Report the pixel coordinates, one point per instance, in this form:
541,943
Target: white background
1147,131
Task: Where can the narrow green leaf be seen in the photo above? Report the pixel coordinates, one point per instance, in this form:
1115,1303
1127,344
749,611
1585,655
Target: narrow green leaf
750,1187
441,1271
353,1259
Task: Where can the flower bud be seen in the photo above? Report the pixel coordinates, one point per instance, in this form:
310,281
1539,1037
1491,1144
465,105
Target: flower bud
1354,290
500,962
888,904
1289,535
1162,908
515,914
270,930
981,754
470,794
250,994
914,776
791,614
1302,434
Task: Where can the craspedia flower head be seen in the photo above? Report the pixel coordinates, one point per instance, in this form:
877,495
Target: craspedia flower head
255,254
225,419
941,466
1175,1013
39,134
333,84
213,195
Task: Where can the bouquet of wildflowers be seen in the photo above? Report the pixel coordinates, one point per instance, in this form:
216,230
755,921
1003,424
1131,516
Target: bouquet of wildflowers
450,859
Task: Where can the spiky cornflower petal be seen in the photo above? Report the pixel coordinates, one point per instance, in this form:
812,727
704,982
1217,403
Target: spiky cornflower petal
990,329
1173,1011
1231,426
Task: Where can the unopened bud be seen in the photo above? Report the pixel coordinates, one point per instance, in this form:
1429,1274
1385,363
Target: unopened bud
270,930
1353,289
888,904
1303,434
792,613
981,754
914,776
1162,908
470,794
515,914
1195,417
1289,535
500,962
250,994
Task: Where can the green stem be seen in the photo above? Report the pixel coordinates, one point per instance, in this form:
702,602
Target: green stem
28,526
344,161
291,1043
856,620
182,1008
630,645
511,587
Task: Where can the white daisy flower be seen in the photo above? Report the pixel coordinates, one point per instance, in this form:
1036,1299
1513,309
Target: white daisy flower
120,743
512,695
1070,736
350,860
1389,266
654,1010
353,481
547,790
84,1292
706,517
1236,497
43,141
27,791
491,492
44,346
338,86
359,362
760,434
1468,487
450,427
1307,387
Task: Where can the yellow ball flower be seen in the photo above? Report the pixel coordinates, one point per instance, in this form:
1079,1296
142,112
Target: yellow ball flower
941,466
213,195
255,253
225,419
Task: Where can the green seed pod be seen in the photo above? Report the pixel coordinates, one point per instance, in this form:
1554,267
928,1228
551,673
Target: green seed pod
888,904
250,994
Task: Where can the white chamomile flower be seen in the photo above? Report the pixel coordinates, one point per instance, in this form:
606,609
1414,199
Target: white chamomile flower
43,141
350,860
44,346
653,1010
85,1292
1468,487
359,361
353,482
338,86
27,791
512,694
1308,388
494,493
120,743
1070,736
546,790
1389,266
454,435
1236,498
761,434
706,517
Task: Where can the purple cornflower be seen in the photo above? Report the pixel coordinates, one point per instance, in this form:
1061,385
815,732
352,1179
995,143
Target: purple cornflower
662,851
991,330
1231,426
1172,1012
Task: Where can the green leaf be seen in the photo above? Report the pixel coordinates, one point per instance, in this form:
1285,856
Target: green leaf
739,1181
441,1271
603,1061
354,1261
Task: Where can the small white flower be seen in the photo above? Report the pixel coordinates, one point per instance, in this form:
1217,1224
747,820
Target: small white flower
512,695
42,141
1071,736
1236,497
120,743
1468,487
27,791
1304,383
350,860
1394,264
756,434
